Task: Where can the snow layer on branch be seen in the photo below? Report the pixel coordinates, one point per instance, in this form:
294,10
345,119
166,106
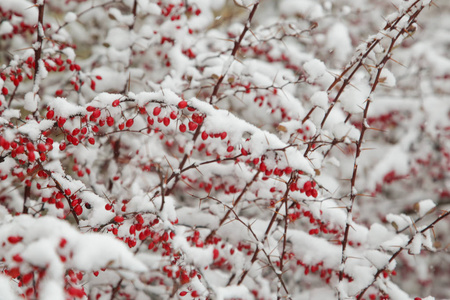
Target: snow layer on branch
317,249
320,99
40,246
25,8
6,288
63,108
33,129
315,69
112,80
233,292
354,96
393,159
305,8
5,28
424,207
218,120
98,215
339,42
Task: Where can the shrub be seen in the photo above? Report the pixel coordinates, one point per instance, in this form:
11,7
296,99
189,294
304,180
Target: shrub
240,149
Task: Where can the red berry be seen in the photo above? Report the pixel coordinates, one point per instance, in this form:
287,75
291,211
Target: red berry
61,122
76,292
14,239
116,103
62,243
50,114
118,219
4,91
182,127
204,136
166,121
130,122
31,156
41,147
140,219
156,111
183,293
110,121
192,126
17,258
78,210
27,278
96,113
182,104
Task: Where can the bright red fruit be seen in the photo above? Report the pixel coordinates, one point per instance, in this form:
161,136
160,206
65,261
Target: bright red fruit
182,104
14,239
50,114
118,219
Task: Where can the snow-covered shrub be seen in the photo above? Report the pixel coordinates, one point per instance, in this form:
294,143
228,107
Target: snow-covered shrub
195,149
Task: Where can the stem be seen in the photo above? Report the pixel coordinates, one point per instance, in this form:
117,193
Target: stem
430,226
237,45
40,38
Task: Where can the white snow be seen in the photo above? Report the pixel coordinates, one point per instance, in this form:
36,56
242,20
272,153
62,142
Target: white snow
6,287
424,207
320,99
315,69
70,17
